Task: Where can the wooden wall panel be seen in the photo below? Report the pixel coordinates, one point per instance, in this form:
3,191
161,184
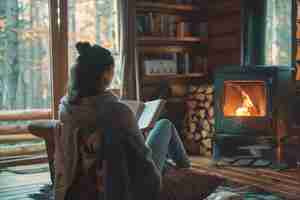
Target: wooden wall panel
227,25
224,7
226,42
224,31
225,58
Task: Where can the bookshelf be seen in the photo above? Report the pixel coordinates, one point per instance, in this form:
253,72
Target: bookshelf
172,48
172,42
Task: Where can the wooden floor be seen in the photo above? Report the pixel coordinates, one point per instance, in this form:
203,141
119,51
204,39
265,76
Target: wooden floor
18,183
285,183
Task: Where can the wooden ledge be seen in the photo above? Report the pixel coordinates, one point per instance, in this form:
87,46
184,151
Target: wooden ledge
23,115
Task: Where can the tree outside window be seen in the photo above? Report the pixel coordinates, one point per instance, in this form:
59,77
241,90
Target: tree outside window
24,55
95,21
278,41
25,71
25,79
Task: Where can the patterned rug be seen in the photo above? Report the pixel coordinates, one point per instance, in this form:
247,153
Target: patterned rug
177,185
233,191
190,185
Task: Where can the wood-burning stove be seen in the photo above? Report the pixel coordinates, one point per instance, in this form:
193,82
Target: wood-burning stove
245,109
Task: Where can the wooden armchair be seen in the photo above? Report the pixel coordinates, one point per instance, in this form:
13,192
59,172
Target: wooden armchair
46,129
177,184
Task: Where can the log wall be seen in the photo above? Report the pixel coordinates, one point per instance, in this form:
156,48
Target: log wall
225,30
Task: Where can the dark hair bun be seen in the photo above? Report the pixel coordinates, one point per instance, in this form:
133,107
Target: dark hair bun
83,48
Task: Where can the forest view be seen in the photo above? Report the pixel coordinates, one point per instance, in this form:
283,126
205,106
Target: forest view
278,49
25,71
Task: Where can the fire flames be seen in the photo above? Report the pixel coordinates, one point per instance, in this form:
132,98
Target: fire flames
247,108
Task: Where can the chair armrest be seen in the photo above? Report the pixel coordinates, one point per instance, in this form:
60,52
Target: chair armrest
45,129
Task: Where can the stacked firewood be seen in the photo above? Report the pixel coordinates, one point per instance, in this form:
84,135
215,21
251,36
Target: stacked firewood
199,120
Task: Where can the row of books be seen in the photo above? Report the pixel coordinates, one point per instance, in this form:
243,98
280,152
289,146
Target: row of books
189,29
172,1
155,24
175,63
187,2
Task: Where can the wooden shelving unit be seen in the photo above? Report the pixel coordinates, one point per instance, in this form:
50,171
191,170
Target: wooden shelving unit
170,8
156,79
174,76
154,40
155,45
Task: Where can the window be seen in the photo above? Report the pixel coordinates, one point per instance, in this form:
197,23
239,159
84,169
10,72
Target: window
95,21
25,55
278,41
25,82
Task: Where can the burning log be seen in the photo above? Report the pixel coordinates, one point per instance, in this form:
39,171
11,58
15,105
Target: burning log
248,108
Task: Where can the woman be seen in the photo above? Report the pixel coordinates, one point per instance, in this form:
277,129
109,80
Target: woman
100,134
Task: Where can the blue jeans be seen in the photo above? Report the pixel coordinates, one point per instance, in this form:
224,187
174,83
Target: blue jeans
165,143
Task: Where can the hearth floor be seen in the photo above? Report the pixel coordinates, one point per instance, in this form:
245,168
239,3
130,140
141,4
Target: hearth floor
285,183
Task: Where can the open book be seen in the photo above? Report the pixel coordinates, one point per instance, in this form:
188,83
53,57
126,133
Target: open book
146,112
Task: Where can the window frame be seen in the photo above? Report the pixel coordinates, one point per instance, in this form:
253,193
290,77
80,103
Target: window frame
253,41
58,11
59,69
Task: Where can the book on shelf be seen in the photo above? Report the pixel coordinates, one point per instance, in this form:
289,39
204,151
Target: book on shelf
143,26
190,2
189,29
146,113
184,63
164,64
171,63
184,29
156,24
